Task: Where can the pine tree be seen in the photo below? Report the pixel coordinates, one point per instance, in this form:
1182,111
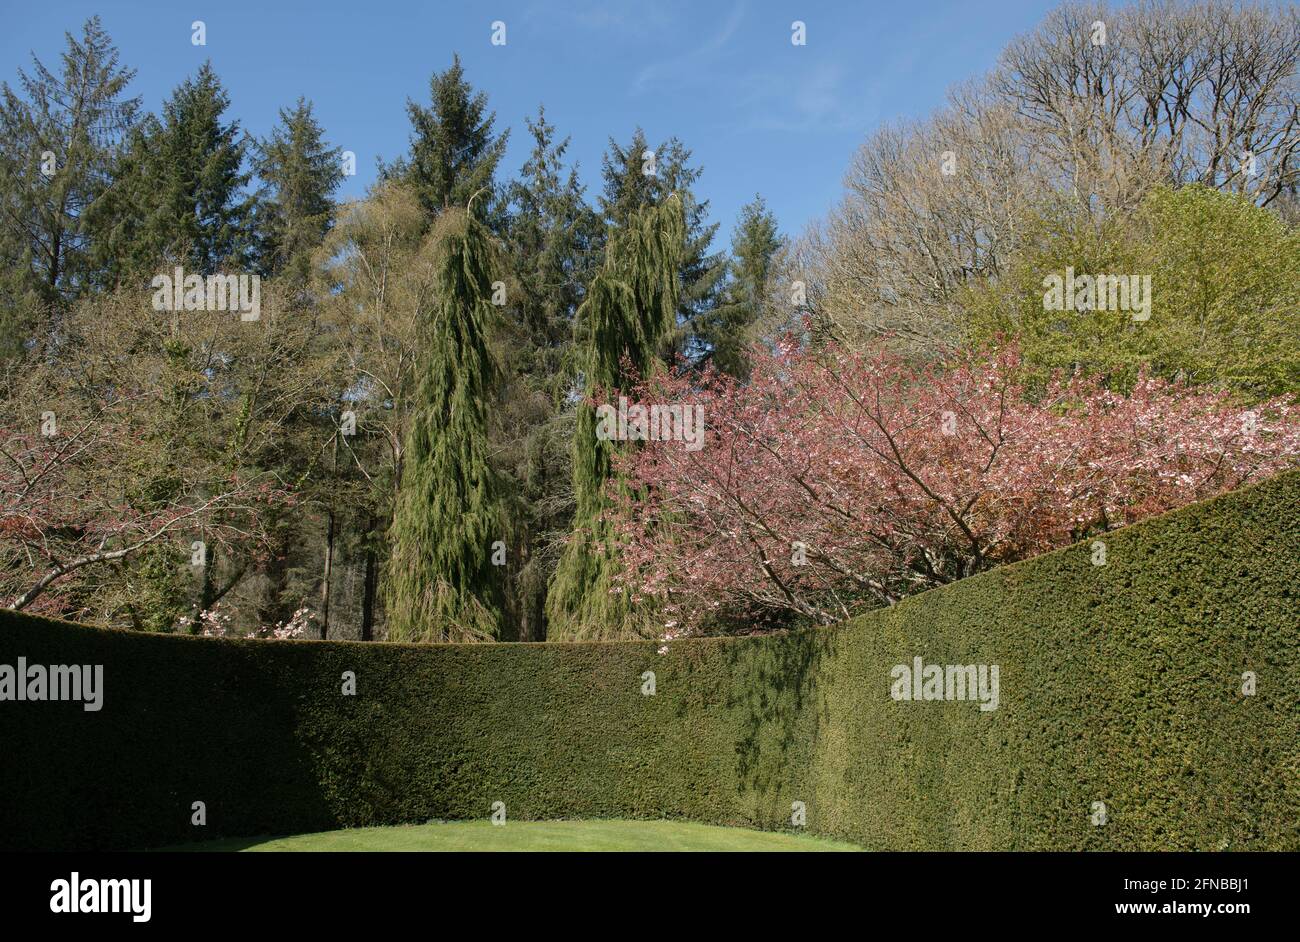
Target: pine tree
178,194
630,307
727,330
630,185
454,152
442,583
57,143
300,174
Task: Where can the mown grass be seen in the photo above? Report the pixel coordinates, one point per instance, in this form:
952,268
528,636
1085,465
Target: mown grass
605,835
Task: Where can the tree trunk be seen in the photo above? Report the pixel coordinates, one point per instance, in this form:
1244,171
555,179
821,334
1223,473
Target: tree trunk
371,584
329,552
325,581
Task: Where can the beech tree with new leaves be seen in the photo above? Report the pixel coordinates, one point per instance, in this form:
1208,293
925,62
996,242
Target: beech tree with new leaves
1225,298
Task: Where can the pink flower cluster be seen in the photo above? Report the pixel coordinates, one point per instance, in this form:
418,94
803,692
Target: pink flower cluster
832,482
217,625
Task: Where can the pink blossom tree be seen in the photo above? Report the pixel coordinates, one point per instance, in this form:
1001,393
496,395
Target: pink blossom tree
835,482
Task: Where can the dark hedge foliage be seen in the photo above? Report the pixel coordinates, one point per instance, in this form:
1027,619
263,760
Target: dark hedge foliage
1118,683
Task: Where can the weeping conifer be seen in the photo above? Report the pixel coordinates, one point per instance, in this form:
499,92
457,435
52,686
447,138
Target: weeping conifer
442,585
630,307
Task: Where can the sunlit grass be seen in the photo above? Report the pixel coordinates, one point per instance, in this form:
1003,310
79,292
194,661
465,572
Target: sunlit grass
596,835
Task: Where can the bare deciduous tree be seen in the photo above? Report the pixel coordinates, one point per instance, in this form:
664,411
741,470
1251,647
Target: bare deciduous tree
1080,119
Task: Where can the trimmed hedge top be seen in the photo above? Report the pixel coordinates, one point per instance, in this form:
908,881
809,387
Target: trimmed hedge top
1124,718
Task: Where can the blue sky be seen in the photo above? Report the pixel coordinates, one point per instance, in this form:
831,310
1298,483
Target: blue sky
760,114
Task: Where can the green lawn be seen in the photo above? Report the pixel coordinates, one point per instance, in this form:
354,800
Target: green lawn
611,835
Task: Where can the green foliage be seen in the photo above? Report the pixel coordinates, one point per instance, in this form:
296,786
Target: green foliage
727,331
630,306
629,188
1119,683
634,308
301,174
59,134
454,152
553,240
1225,282
159,604
178,191
442,583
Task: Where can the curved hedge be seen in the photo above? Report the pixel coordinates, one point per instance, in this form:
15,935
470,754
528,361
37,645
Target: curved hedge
1118,684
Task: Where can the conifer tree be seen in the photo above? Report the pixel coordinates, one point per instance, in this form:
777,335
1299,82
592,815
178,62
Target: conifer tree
638,175
300,173
178,194
630,307
295,211
554,239
442,583
454,152
726,331
59,133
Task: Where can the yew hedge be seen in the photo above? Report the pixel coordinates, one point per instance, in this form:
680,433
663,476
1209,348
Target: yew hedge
1120,684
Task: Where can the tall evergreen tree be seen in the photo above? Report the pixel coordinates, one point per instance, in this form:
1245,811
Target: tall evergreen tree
554,239
636,176
727,330
630,307
295,210
454,151
178,194
300,174
58,139
442,583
